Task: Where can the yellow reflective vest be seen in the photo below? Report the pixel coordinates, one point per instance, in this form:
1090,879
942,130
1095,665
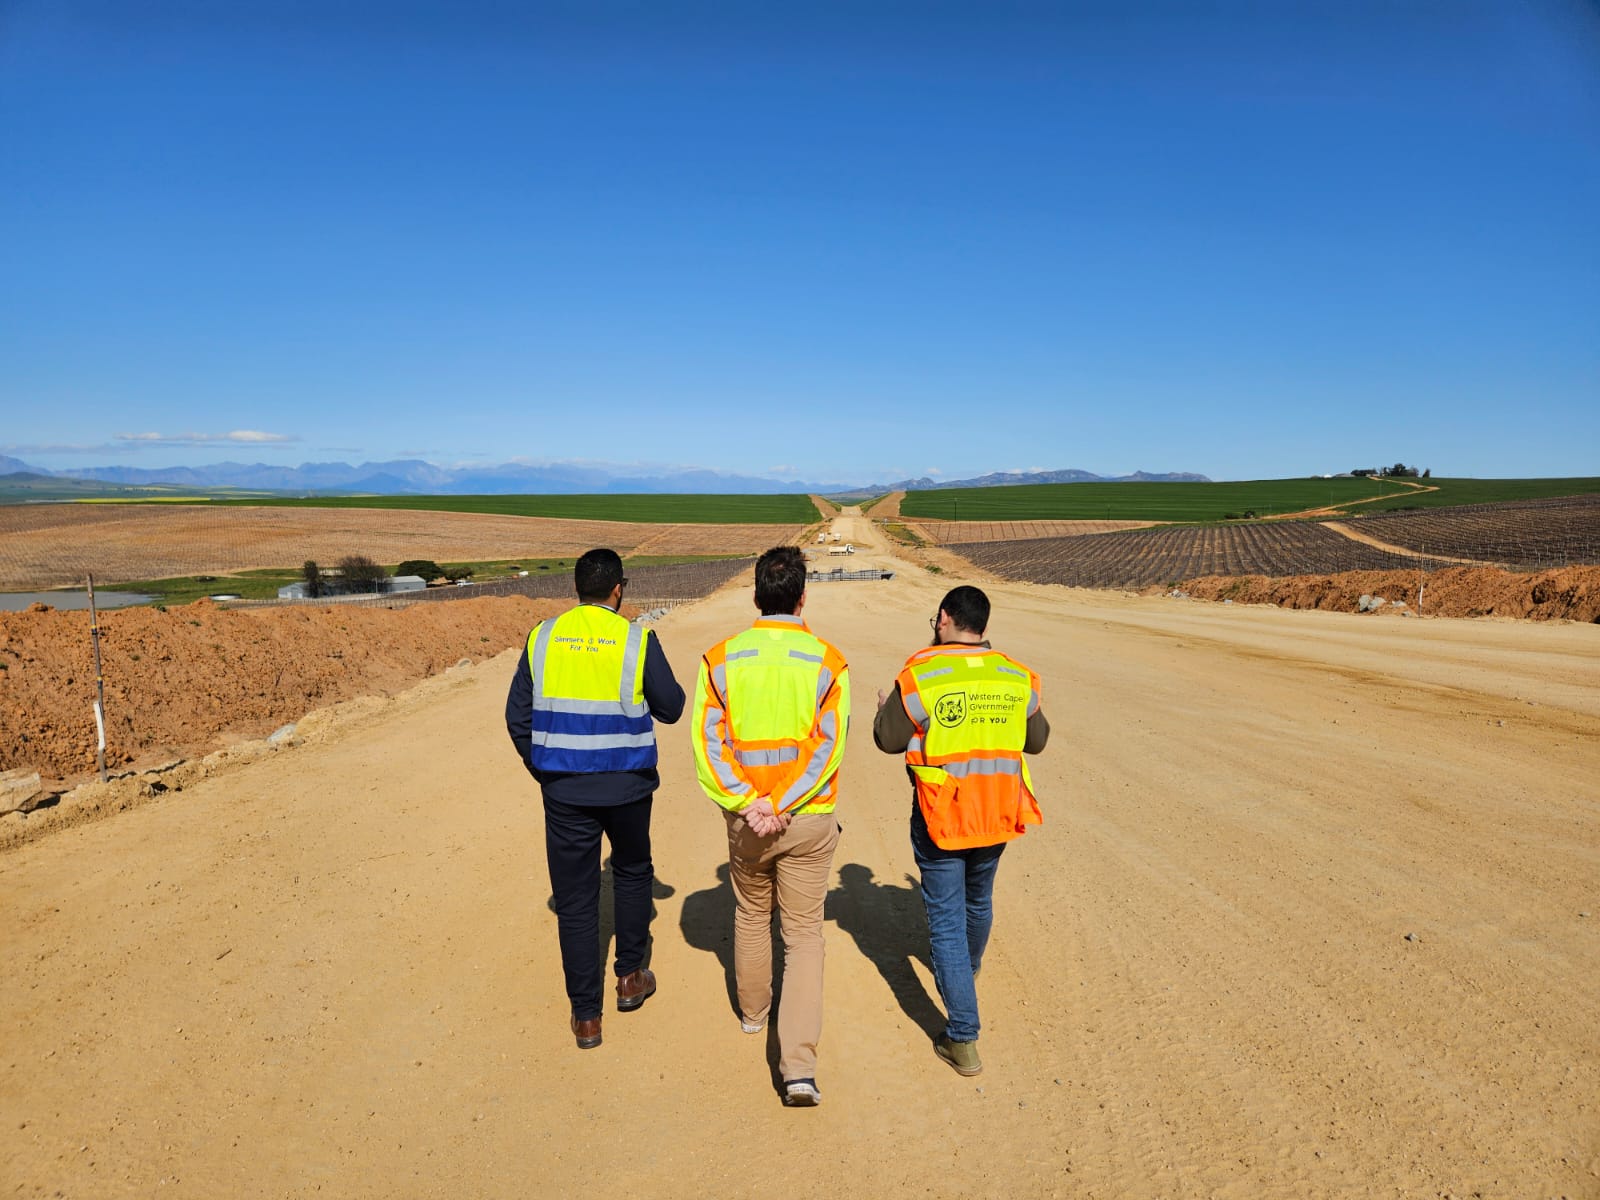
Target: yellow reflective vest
772,706
589,711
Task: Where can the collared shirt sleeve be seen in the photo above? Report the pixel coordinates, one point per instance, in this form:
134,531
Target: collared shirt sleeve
519,711
1038,732
662,691
893,728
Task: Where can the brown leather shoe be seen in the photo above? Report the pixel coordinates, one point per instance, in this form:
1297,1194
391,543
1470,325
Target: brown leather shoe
633,990
587,1032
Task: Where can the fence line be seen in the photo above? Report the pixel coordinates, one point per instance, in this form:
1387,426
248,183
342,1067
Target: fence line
662,586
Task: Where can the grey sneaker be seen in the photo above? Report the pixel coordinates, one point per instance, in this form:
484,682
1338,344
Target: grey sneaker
801,1093
963,1056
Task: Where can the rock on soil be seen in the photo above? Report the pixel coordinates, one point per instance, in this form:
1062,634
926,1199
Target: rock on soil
20,790
1570,593
185,681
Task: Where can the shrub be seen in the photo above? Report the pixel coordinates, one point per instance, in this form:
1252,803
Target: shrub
360,573
425,567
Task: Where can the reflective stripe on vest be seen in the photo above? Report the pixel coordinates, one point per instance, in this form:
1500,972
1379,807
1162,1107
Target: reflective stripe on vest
589,712
773,682
971,710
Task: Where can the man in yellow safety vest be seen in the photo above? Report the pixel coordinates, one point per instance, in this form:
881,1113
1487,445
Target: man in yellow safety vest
964,714
580,714
771,707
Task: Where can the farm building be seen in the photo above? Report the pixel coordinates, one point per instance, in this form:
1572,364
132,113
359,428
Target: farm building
333,587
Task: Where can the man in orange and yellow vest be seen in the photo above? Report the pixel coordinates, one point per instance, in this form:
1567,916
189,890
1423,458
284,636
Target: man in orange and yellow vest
771,707
964,714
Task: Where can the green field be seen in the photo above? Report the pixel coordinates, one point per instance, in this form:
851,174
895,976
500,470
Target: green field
651,509
1488,491
1194,502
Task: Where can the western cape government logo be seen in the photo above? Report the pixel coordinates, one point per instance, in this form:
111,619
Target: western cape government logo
951,709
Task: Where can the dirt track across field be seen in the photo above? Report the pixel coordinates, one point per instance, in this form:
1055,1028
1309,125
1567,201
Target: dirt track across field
1314,913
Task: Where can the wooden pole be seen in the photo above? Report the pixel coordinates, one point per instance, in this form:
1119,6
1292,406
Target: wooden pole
99,686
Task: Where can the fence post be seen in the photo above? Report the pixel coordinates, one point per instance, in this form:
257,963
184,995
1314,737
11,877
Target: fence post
99,686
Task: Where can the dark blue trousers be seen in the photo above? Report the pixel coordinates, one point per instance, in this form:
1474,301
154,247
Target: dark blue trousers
572,847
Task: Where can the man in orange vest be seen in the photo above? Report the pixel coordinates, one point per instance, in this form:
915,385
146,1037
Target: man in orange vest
771,707
963,714
581,713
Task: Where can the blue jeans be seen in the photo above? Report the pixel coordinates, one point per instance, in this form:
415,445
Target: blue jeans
958,892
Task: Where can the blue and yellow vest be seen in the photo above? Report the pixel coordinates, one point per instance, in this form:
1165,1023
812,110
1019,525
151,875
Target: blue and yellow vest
589,712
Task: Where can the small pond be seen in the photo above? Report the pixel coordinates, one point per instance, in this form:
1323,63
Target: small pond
17,601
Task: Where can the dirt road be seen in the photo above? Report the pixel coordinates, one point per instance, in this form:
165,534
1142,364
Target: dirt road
1315,912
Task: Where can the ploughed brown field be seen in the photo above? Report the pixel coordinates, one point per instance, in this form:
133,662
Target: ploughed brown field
1524,536
943,533
55,545
1312,914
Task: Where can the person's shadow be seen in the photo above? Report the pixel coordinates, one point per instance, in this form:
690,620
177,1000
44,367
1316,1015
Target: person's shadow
890,928
608,911
707,924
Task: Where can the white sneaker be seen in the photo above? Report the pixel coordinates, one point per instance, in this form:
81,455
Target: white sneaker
801,1093
752,1026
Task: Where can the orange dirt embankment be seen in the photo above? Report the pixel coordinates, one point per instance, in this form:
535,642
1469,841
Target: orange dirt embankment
1570,593
186,680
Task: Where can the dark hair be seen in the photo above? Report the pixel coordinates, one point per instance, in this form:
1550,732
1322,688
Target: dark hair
597,572
967,607
780,580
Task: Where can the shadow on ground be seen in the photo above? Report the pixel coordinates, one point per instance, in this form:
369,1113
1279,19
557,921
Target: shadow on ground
886,921
890,928
608,913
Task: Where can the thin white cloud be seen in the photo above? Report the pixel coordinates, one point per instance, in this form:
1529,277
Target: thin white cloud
249,437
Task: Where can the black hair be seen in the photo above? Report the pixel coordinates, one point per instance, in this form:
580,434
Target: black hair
596,573
967,608
780,580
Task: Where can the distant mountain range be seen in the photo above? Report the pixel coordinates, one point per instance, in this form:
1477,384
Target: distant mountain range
1012,478
414,476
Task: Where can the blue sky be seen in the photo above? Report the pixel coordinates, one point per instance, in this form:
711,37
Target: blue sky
842,243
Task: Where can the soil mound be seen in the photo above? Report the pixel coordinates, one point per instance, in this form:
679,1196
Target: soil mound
1569,593
188,679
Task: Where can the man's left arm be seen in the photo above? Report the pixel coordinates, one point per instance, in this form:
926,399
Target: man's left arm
1038,732
1038,728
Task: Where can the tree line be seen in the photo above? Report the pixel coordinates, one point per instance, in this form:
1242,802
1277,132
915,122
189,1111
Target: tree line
359,574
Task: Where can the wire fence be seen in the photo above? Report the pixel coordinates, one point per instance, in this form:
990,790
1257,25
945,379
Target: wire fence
662,586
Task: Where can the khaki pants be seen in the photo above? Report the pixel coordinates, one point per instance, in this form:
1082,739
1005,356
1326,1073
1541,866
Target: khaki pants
795,864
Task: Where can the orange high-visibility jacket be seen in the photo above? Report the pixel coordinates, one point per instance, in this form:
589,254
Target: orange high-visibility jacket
971,706
771,707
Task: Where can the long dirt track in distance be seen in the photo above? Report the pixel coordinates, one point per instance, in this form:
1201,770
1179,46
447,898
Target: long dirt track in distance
1312,914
